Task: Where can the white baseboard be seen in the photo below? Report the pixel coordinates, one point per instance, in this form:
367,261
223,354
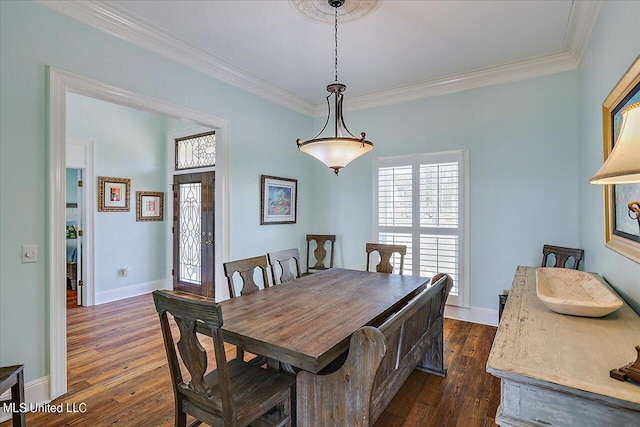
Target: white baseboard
128,291
35,392
483,316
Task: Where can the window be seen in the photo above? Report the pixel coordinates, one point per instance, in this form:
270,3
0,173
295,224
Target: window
421,202
196,151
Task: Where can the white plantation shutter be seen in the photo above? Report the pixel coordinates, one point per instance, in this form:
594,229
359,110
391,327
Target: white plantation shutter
421,203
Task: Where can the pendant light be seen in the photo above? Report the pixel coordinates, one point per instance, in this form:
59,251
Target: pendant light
338,149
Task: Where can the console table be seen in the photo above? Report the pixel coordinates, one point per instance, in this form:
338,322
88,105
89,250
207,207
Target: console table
554,368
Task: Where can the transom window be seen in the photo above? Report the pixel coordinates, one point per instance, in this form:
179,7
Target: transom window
420,201
196,151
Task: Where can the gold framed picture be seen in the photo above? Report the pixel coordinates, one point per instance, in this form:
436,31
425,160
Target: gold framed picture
113,194
149,206
622,233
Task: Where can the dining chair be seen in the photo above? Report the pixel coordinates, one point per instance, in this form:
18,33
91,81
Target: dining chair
562,256
284,261
235,393
320,251
385,252
246,269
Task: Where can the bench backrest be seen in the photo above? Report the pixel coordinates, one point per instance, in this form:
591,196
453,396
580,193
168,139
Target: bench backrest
379,362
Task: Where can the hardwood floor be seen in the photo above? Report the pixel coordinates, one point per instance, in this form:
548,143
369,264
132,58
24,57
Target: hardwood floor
117,367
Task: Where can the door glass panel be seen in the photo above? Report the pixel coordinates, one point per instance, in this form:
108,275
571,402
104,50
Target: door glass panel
190,199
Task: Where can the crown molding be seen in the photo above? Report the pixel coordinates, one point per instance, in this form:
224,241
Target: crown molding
459,82
116,21
581,22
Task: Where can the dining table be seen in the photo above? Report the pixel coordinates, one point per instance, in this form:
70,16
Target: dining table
307,322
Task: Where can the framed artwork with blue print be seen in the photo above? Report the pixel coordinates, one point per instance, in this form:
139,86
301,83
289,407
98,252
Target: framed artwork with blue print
278,200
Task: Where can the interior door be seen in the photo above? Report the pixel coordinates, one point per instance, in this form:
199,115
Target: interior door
193,228
80,241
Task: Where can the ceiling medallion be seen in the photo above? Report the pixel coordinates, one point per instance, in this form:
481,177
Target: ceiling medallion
321,11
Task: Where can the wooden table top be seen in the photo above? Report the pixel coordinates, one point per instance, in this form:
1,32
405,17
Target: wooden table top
570,352
308,322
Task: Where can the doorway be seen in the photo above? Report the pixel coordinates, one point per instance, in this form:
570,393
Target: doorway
79,220
74,232
61,83
193,233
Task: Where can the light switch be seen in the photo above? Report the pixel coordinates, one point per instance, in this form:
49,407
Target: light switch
29,253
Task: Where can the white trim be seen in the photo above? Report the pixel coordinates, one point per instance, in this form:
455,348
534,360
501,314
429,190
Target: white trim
581,22
36,392
117,294
61,82
116,21
88,220
459,82
483,316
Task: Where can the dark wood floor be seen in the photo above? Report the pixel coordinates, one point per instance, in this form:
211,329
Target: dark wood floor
117,367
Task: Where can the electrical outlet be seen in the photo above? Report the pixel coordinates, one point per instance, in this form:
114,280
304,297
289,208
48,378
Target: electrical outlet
29,253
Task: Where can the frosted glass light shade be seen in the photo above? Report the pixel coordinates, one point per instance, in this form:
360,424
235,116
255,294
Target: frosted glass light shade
336,152
623,164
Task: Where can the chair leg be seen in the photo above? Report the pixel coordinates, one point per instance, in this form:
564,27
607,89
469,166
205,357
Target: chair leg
181,418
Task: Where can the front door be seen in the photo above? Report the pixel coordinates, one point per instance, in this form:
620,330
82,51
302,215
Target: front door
193,217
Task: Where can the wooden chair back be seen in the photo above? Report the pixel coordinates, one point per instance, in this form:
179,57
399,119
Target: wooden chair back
386,252
236,393
285,261
320,252
188,311
562,256
246,269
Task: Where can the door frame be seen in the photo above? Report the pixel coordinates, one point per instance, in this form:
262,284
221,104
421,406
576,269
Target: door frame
81,157
60,83
219,280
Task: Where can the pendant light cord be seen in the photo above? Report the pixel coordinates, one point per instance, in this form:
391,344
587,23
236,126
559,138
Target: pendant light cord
336,40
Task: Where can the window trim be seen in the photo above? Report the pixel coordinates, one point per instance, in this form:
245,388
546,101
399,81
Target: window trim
415,160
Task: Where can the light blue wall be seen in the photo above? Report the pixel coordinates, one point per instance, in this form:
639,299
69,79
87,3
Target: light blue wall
529,159
614,45
523,141
131,144
33,37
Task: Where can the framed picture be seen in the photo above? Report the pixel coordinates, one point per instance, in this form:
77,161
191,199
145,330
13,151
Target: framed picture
622,233
149,206
278,200
113,194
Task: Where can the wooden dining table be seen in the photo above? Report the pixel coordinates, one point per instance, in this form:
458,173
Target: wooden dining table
307,322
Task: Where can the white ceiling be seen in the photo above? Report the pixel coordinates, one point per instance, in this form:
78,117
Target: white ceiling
401,50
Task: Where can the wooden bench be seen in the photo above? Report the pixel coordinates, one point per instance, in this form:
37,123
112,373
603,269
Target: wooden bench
379,362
